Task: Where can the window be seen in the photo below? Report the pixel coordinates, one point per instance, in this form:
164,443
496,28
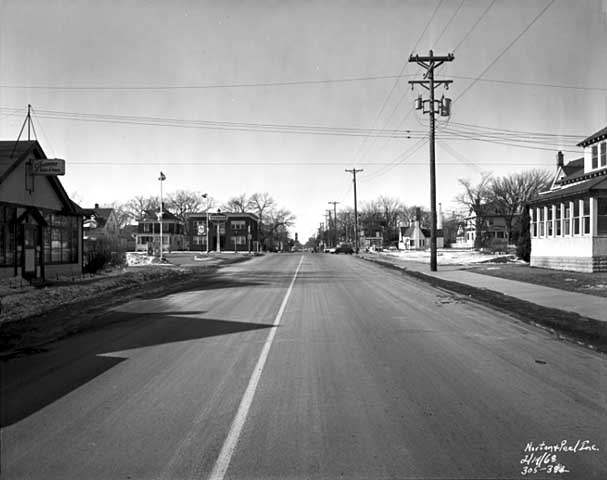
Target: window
147,227
567,219
238,224
586,216
557,220
533,220
604,154
549,223
576,217
61,239
239,240
8,217
595,156
602,216
540,219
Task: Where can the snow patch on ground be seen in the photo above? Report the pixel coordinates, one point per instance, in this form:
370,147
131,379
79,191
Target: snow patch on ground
448,256
20,300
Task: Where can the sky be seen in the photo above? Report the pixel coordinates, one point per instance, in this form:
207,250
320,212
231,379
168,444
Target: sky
230,97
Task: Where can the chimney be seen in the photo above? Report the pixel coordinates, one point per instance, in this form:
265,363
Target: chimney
559,159
96,206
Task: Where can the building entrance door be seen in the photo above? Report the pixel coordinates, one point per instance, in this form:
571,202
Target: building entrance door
30,250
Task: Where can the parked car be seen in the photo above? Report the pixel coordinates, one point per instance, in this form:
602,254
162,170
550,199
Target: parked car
344,248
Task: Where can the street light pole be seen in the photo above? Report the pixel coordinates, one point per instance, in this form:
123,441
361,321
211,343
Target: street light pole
161,178
206,197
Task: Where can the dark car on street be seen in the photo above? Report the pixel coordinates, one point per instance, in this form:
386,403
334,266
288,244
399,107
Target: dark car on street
344,248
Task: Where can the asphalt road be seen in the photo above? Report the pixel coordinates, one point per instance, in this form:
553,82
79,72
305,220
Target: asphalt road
368,375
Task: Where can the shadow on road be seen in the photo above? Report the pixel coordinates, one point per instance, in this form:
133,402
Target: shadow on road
31,382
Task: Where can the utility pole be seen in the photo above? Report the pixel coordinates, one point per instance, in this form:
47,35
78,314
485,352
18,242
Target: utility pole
29,121
328,223
430,63
356,239
334,222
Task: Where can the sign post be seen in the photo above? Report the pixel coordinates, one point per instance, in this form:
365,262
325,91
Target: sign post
218,218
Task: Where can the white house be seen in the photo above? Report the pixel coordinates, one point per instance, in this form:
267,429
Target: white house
569,221
414,237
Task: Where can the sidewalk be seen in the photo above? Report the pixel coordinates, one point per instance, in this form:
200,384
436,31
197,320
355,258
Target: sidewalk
588,306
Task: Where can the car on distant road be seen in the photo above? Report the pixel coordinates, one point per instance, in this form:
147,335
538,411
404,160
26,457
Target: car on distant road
344,248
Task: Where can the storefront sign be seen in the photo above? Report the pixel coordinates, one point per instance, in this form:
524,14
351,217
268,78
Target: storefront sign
48,166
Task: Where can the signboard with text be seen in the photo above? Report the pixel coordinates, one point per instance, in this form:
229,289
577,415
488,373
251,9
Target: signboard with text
218,218
48,166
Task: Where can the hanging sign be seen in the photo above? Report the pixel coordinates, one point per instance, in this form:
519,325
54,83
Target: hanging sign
48,166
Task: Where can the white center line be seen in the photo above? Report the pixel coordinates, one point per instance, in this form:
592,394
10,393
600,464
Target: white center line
225,456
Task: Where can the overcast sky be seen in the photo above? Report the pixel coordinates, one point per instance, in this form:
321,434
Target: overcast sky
229,97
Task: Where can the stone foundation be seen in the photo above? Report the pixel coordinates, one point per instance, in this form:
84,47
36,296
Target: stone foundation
574,264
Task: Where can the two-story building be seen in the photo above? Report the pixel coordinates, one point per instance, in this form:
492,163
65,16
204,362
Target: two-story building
147,238
40,227
491,228
101,230
569,221
223,231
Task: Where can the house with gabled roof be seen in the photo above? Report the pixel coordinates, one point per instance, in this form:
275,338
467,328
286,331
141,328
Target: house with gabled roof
415,237
40,226
569,221
489,224
101,231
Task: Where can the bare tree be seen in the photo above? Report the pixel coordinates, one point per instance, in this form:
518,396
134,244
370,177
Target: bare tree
183,202
475,197
277,227
512,192
238,204
138,206
392,211
261,203
123,216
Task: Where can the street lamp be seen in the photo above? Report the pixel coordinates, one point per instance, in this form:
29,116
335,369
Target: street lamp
206,197
161,178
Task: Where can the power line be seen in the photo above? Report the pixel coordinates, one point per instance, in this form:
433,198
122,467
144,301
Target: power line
474,26
292,164
532,84
295,83
496,59
461,131
201,87
461,3
402,70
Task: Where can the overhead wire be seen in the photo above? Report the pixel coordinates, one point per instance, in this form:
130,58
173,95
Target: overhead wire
383,107
503,52
473,27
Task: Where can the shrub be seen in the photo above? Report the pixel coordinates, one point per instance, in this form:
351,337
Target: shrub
523,245
96,262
